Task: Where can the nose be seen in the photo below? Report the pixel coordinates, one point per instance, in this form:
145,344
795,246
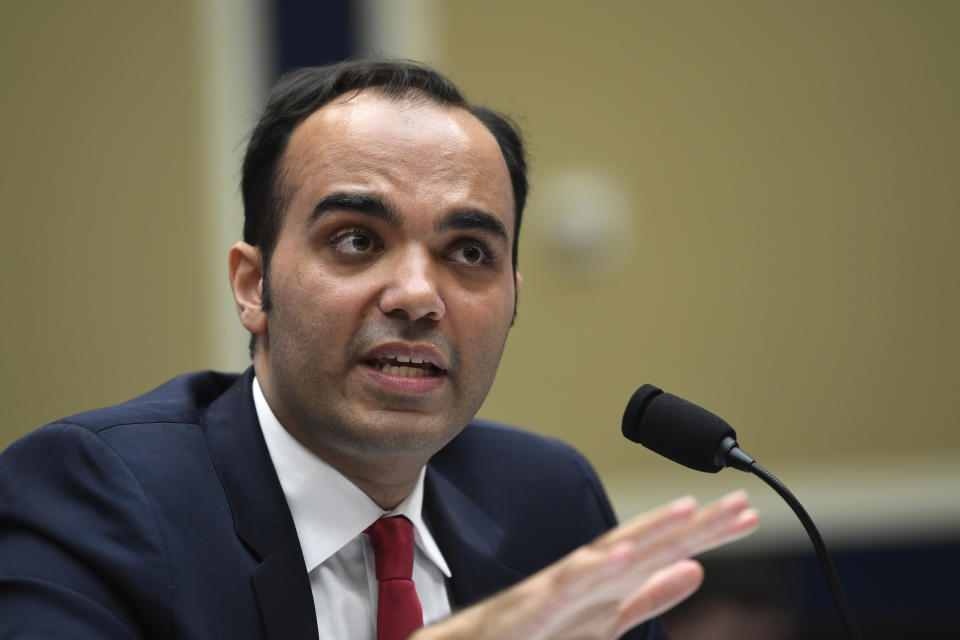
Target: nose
412,289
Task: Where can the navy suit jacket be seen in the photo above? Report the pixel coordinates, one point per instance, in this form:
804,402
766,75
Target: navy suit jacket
163,518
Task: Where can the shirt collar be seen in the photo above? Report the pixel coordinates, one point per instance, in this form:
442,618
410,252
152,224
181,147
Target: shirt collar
328,519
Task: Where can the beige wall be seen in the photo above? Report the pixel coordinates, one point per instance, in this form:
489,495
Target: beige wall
123,127
101,221
792,171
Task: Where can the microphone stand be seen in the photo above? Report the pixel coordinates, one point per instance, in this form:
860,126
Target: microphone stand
729,454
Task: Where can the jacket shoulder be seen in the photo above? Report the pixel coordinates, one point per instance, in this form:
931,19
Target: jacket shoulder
88,505
180,400
484,444
514,473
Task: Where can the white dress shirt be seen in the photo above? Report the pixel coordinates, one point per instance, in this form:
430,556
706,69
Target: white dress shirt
330,514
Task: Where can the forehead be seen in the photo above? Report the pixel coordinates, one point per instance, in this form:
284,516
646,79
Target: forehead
409,151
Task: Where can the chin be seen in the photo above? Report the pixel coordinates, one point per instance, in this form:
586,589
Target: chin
402,432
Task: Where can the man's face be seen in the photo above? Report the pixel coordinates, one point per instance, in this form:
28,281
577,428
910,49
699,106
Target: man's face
391,283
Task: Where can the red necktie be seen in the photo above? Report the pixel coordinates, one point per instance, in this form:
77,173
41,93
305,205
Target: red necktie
398,607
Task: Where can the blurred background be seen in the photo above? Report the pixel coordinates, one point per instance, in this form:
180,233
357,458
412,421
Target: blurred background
751,204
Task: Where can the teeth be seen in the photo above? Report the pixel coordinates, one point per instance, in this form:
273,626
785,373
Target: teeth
404,359
405,372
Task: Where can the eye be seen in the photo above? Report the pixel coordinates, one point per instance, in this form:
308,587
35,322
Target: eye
355,242
472,254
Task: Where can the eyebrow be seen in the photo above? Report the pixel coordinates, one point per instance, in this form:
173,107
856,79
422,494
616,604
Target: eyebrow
471,219
359,202
373,206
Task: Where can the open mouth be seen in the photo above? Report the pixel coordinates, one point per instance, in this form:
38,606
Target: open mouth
405,366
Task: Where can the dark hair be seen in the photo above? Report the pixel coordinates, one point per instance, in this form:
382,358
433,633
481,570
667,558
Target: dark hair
301,92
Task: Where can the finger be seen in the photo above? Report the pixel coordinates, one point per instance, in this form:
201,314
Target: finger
664,590
708,528
659,539
650,523
611,568
713,522
719,521
746,523
670,585
681,519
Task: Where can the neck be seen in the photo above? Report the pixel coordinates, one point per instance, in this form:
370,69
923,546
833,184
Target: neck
386,475
387,493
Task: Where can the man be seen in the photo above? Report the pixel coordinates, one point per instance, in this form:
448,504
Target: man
377,278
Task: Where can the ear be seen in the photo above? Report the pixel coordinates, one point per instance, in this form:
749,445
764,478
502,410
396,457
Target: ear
519,280
246,280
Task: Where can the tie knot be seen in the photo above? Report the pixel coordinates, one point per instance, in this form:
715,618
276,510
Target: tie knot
392,540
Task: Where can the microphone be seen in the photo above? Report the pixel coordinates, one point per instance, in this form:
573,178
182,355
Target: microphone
692,436
682,431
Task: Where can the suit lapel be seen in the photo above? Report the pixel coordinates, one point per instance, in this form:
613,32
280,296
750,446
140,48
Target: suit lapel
468,539
261,517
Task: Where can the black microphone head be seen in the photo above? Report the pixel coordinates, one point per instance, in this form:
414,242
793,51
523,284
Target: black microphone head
676,429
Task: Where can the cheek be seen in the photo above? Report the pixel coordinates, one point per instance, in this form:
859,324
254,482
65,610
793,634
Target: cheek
312,311
484,321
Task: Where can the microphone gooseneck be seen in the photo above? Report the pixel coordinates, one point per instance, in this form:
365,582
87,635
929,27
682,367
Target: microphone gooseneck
694,437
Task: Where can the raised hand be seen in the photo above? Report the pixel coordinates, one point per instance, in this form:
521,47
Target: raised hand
623,578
